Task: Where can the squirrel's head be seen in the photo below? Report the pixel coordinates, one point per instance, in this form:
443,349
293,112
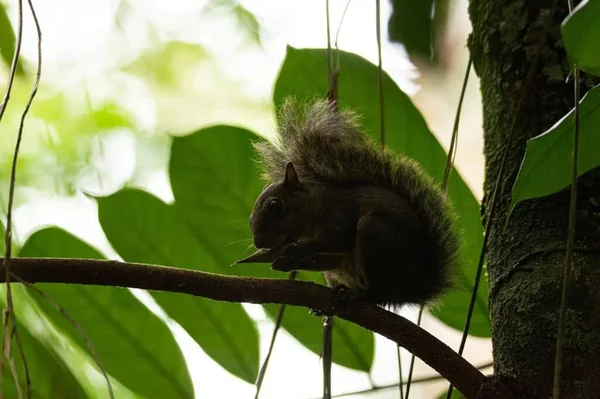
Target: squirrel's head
279,214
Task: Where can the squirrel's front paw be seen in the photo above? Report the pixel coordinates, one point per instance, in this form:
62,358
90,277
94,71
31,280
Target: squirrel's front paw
295,257
284,264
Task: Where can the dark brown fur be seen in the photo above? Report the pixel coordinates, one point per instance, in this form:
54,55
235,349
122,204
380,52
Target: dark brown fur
367,218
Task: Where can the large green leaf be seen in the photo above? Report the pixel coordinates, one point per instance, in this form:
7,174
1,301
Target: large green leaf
303,75
141,228
413,24
548,162
134,345
580,33
215,184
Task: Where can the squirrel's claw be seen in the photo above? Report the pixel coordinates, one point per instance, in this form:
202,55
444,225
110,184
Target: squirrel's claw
316,312
340,298
342,295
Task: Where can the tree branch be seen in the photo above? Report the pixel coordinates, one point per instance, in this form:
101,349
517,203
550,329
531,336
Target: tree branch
465,377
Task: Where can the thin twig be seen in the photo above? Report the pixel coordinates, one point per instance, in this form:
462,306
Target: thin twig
454,139
337,33
420,380
255,290
9,311
382,134
332,96
449,166
411,367
400,377
327,355
380,73
24,361
329,61
15,61
7,352
566,283
11,194
75,325
265,364
13,370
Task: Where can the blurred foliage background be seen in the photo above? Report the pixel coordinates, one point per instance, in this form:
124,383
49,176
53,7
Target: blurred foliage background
137,147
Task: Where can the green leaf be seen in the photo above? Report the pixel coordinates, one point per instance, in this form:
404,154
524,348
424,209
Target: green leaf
108,116
134,345
215,184
548,162
580,33
7,37
247,22
49,376
141,228
167,65
302,75
2,239
7,40
412,24
455,394
72,122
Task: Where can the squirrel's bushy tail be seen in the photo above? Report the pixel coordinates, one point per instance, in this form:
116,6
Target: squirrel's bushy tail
327,145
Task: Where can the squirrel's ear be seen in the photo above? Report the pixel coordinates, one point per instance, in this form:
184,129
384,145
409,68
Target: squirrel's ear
291,177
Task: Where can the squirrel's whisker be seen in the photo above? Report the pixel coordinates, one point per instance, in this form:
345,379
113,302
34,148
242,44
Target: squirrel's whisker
236,242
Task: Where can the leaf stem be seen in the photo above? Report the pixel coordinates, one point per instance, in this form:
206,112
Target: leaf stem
566,283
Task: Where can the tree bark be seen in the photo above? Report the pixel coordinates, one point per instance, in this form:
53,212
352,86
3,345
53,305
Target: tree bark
511,44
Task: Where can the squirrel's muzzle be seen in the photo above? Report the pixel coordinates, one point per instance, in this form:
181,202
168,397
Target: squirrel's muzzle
260,242
269,241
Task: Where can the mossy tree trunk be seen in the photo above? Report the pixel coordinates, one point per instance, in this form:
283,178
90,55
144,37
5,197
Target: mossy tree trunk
525,260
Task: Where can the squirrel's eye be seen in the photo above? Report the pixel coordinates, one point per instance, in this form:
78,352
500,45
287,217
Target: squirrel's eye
275,206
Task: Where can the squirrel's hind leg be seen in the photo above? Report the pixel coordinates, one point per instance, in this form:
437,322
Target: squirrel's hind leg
389,254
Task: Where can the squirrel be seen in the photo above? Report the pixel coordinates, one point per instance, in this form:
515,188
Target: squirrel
337,202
